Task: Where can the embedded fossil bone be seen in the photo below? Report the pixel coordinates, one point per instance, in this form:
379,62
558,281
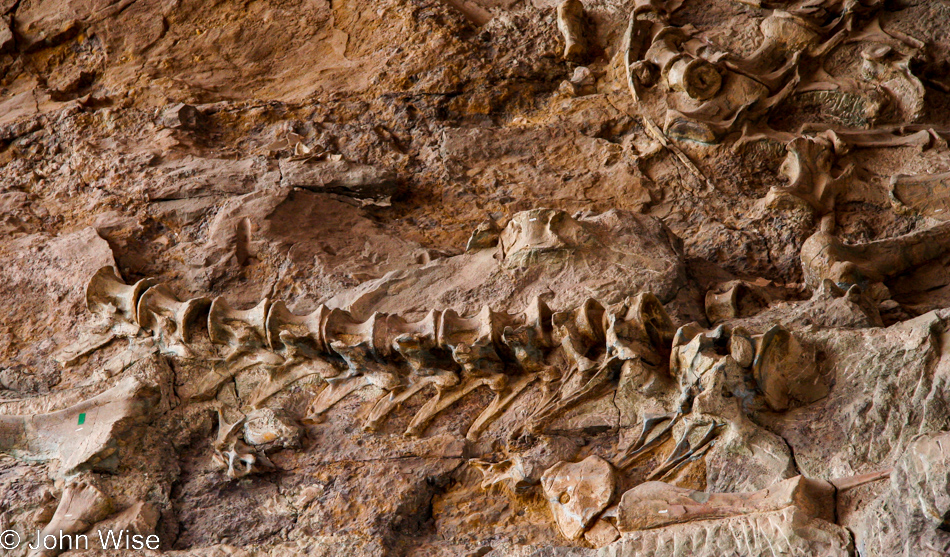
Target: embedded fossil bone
444,399
160,312
824,256
107,294
110,298
644,442
578,492
81,506
272,429
85,435
232,453
684,451
633,48
734,299
656,504
452,354
785,371
925,193
242,330
571,22
808,168
284,328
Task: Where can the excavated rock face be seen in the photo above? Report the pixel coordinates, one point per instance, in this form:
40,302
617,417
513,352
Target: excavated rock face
475,277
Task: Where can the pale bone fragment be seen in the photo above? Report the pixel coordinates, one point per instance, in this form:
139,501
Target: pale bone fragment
685,451
277,383
232,453
140,518
657,504
578,492
683,72
499,404
341,326
572,23
645,443
601,534
485,236
85,435
786,371
639,328
180,116
523,469
741,347
891,71
808,169
630,42
304,332
108,295
87,344
81,506
928,194
242,330
363,372
642,336
271,429
389,402
733,299
161,313
824,256
444,399
541,235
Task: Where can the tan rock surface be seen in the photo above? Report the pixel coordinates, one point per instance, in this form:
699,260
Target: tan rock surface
462,277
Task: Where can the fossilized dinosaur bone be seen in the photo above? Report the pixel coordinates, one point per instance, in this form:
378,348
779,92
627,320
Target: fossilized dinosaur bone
824,256
572,23
583,500
84,435
81,506
444,352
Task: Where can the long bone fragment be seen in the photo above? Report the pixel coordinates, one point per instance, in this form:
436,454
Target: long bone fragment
824,256
84,435
81,506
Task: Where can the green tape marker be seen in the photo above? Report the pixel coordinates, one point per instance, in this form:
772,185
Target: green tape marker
82,418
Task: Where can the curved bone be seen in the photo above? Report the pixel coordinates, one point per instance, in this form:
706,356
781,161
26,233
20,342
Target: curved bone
644,330
498,405
81,506
107,294
642,445
160,312
389,402
785,371
443,400
824,256
285,327
571,22
241,329
683,451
